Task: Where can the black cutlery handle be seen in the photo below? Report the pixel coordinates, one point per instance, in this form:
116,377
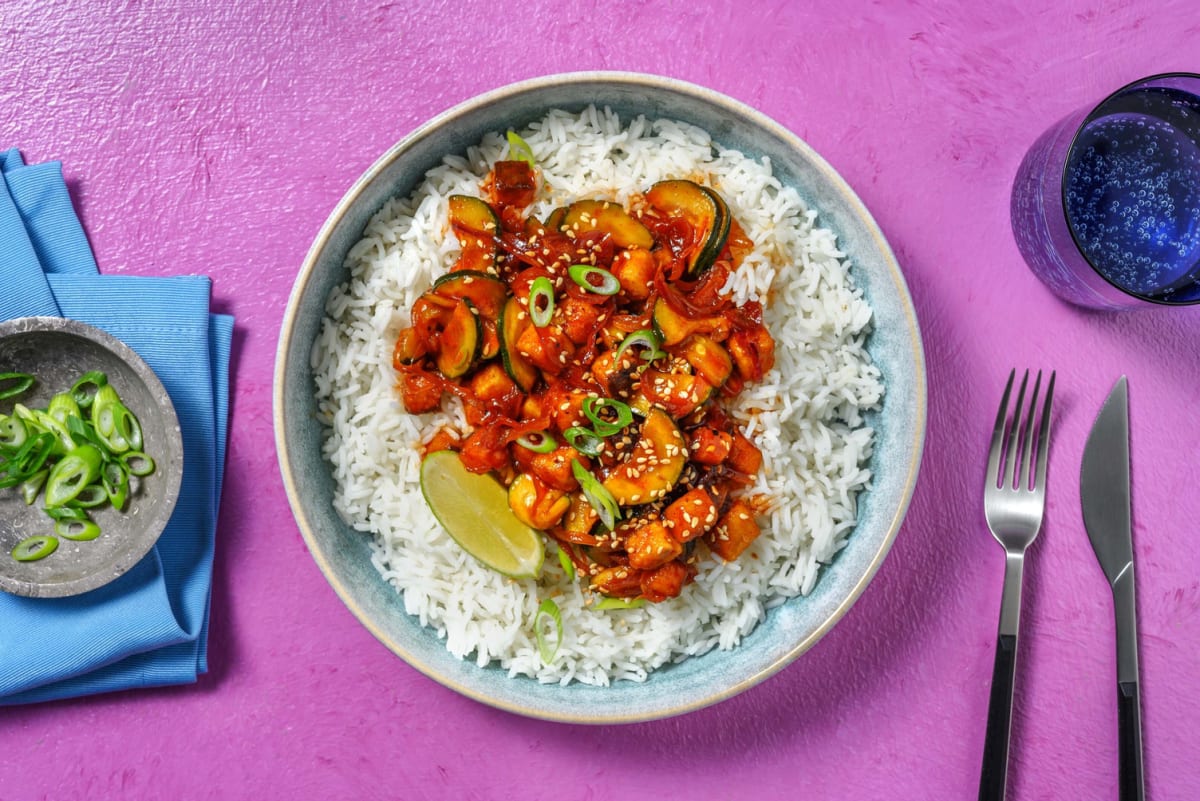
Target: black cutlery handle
994,776
1129,725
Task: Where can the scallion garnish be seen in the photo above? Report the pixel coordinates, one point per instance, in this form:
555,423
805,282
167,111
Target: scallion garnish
115,480
646,339
72,473
31,486
137,463
33,548
72,512
12,431
93,495
600,499
583,274
519,150
12,384
593,408
78,530
609,602
541,301
84,390
63,407
584,440
567,565
548,611
536,441
76,462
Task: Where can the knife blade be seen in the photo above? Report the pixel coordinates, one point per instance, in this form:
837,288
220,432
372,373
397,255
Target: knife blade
1104,495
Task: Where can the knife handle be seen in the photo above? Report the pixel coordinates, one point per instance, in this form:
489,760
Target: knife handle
1129,725
994,775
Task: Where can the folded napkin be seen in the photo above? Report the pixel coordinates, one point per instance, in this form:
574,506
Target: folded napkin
150,626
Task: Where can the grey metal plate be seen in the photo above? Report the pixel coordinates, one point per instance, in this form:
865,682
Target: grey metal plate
57,352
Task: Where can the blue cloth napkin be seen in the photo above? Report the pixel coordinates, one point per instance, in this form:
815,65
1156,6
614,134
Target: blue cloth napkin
150,626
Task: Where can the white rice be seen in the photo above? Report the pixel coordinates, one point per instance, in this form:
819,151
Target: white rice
805,415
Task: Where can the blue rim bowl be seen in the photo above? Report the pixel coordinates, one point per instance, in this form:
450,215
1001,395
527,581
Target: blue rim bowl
343,554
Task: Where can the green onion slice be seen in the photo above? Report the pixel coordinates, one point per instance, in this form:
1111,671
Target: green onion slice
137,463
26,460
608,602
63,407
646,339
12,384
31,549
44,422
519,150
584,440
84,390
82,432
548,611
33,455
593,408
126,431
115,480
92,495
583,274
31,486
600,499
541,301
73,472
78,530
567,565
536,441
72,512
13,432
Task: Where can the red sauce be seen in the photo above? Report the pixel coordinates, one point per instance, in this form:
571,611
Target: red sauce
715,347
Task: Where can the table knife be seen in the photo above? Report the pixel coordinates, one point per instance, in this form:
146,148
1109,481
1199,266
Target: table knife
1104,494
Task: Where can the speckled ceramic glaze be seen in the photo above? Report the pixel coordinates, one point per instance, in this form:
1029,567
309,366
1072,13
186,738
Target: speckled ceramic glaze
789,630
57,352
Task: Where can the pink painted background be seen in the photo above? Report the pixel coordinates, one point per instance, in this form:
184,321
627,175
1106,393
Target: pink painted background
216,137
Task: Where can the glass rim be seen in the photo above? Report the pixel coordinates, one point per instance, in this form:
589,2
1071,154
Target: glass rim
1091,115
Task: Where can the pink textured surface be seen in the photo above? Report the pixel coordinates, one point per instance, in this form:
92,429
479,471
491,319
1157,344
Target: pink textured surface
215,140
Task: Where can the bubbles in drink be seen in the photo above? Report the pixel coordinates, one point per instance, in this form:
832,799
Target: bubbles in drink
1133,192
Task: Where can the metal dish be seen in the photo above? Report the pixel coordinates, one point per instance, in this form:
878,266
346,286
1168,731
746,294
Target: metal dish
57,352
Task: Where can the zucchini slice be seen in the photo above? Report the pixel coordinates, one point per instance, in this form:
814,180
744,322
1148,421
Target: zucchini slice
512,325
458,346
486,292
476,226
704,210
654,465
609,218
555,221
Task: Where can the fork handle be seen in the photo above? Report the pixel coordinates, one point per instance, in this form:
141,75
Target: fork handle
994,776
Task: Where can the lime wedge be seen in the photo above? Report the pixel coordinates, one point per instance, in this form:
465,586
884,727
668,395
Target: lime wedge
474,511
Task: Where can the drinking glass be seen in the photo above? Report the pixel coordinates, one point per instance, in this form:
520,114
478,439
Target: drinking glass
1106,204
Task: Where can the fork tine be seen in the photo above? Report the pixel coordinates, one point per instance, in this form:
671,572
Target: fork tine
1039,480
1030,422
1013,454
993,470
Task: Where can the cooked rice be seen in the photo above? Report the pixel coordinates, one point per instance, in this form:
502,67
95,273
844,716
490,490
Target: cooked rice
806,415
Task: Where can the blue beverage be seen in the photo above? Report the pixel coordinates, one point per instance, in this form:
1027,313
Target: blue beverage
1106,203
1132,192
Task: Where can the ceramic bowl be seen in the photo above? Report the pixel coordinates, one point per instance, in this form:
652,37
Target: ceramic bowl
895,346
57,352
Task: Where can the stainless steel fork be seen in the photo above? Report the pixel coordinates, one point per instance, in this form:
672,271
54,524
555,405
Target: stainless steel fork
1014,500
